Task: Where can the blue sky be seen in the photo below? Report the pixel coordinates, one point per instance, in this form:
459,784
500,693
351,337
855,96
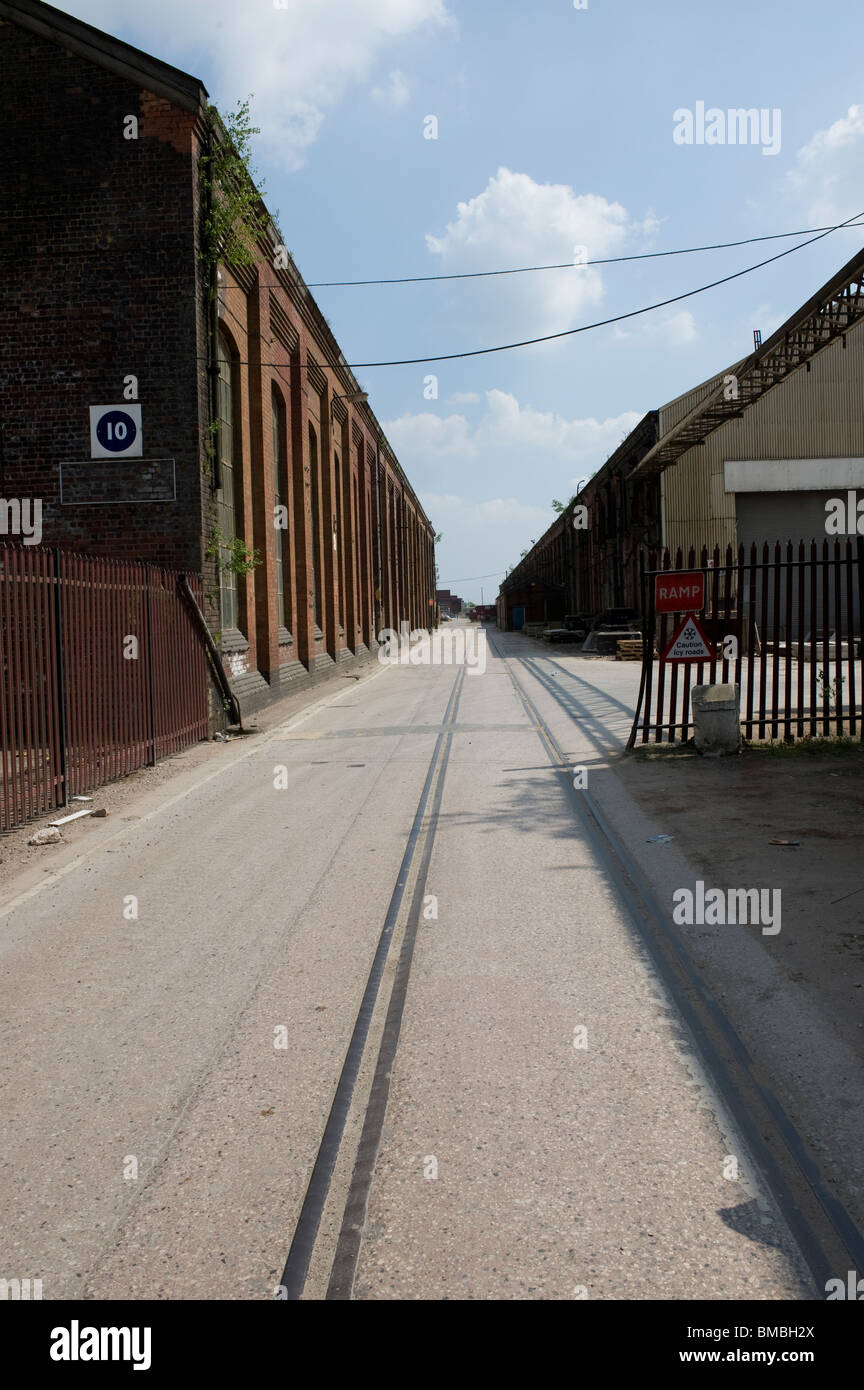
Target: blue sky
555,129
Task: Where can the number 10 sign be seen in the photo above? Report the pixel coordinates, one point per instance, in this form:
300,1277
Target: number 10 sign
115,431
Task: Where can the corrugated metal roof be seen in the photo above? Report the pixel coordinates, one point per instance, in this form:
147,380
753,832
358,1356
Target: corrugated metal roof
830,313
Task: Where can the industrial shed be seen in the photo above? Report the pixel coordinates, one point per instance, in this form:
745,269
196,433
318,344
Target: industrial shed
753,454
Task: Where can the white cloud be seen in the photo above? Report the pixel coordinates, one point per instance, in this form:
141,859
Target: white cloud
299,61
829,171
431,435
516,221
669,329
464,398
396,91
498,510
481,538
507,435
509,425
487,483
765,318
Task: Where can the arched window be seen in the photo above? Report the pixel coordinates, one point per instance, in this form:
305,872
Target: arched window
315,482
280,496
338,538
229,461
355,565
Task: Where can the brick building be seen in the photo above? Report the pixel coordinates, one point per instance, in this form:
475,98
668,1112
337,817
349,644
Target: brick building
448,603
254,436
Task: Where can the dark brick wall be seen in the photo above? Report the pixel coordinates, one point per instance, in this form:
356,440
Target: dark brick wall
97,239
101,279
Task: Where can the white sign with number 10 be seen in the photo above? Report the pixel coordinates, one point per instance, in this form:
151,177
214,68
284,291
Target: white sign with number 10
115,431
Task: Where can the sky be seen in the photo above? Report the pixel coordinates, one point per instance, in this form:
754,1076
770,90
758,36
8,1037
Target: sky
438,137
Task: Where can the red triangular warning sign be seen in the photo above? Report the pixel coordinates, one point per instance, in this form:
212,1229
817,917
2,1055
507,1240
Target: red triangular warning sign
689,642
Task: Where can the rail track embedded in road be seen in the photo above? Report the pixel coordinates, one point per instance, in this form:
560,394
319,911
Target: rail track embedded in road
377,1025
827,1237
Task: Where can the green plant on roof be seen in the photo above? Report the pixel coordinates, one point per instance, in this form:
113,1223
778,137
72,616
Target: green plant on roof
234,215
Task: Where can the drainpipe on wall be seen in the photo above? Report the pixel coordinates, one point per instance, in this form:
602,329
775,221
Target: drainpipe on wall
213,312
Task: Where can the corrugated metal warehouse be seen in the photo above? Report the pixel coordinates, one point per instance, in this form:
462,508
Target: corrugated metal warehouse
751,455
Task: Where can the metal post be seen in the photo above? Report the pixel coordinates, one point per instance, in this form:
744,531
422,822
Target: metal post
379,577
647,649
150,659
62,760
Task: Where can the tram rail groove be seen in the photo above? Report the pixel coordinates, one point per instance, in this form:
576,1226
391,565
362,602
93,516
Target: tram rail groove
827,1237
824,1233
414,865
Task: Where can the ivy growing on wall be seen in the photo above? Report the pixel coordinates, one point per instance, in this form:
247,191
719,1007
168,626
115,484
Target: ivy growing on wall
234,215
233,218
230,553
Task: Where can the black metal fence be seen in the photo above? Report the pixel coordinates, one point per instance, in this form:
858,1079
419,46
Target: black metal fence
785,626
103,671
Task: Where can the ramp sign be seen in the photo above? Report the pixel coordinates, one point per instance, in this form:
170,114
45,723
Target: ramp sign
689,642
679,591
115,431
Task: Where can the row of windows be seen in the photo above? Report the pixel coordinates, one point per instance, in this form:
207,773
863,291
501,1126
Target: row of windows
230,503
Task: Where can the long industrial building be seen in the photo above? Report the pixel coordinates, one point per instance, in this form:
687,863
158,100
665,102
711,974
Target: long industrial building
752,455
171,402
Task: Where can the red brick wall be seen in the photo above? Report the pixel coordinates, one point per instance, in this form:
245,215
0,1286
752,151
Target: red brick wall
102,278
295,361
97,240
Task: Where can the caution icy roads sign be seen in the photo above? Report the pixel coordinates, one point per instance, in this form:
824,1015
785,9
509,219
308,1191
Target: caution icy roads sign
689,642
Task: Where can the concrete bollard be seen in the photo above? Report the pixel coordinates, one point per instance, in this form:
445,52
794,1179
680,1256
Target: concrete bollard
716,726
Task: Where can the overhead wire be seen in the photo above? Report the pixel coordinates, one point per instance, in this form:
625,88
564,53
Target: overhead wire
598,323
573,264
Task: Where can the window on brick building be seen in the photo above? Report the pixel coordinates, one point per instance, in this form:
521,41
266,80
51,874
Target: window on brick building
315,486
229,461
359,594
338,540
280,494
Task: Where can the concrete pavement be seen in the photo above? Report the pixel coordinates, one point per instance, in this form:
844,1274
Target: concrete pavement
167,1078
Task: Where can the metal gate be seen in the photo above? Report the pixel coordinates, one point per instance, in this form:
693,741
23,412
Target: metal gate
785,627
103,672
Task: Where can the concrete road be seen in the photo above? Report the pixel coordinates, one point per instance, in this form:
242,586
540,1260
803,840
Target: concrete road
181,992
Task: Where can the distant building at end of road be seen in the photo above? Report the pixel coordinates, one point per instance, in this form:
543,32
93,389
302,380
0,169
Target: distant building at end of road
448,603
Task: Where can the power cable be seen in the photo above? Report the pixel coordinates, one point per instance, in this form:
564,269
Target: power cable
571,265
585,328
